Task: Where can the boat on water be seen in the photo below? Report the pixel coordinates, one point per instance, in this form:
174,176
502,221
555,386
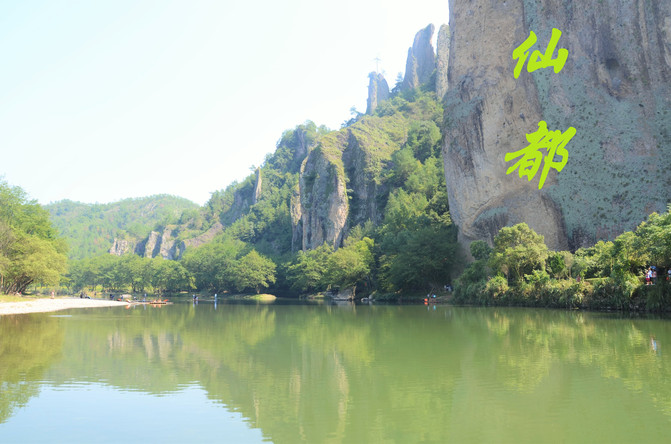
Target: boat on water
154,302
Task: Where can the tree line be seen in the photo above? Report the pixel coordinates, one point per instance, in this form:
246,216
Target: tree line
520,270
209,268
31,251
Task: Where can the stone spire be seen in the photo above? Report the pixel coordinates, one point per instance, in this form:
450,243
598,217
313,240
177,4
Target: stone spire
421,59
442,57
378,91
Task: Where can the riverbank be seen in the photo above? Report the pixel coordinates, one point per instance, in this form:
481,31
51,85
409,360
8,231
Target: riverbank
48,305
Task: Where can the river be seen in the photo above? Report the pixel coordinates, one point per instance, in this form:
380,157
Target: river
289,373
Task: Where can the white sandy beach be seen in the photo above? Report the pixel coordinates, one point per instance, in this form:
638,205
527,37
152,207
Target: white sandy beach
45,305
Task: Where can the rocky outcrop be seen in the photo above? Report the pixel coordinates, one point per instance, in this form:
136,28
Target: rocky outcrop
344,294
203,238
121,247
243,198
257,186
378,91
442,58
614,89
340,184
165,243
368,150
296,211
161,244
323,194
421,60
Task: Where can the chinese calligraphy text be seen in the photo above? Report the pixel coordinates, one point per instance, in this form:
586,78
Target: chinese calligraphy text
538,60
554,142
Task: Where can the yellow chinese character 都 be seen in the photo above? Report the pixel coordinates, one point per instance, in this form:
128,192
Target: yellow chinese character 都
538,60
531,158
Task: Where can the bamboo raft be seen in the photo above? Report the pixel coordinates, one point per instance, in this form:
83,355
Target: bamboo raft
156,302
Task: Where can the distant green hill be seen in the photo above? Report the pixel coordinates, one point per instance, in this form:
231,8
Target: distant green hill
90,229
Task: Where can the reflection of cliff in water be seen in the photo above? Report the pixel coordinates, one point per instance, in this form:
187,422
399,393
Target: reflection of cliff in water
303,373
29,344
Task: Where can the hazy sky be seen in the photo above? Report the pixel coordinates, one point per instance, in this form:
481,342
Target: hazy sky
104,100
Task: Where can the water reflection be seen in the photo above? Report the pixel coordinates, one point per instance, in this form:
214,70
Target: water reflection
29,344
303,373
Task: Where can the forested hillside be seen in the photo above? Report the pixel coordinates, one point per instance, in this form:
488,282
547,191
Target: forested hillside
359,210
90,229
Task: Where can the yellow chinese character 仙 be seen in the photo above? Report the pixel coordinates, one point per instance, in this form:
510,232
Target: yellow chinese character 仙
531,158
538,60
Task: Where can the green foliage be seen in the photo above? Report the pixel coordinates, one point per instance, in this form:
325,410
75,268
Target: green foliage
129,272
418,249
30,250
212,264
424,139
596,261
556,264
253,272
480,250
396,157
91,228
608,275
351,265
497,287
289,153
306,272
518,250
170,276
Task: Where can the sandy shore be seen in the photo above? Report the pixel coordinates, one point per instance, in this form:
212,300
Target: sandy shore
44,305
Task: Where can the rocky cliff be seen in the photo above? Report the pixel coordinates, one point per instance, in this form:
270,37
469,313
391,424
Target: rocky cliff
323,194
327,181
614,89
342,180
378,90
121,246
421,59
442,60
161,244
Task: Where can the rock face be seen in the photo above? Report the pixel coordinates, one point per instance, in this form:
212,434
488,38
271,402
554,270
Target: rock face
165,244
421,60
257,186
204,238
323,195
442,58
378,91
340,185
121,247
161,244
615,90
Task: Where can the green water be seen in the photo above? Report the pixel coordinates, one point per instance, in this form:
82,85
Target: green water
288,373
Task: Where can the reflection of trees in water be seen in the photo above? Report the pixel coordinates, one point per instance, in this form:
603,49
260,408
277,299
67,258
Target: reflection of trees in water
529,343
303,373
29,344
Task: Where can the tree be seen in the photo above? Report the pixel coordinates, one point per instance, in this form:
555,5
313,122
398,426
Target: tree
480,250
171,276
595,261
424,139
30,250
654,238
350,265
212,264
518,251
306,273
253,272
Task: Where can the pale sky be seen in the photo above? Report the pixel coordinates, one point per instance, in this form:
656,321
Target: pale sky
104,100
